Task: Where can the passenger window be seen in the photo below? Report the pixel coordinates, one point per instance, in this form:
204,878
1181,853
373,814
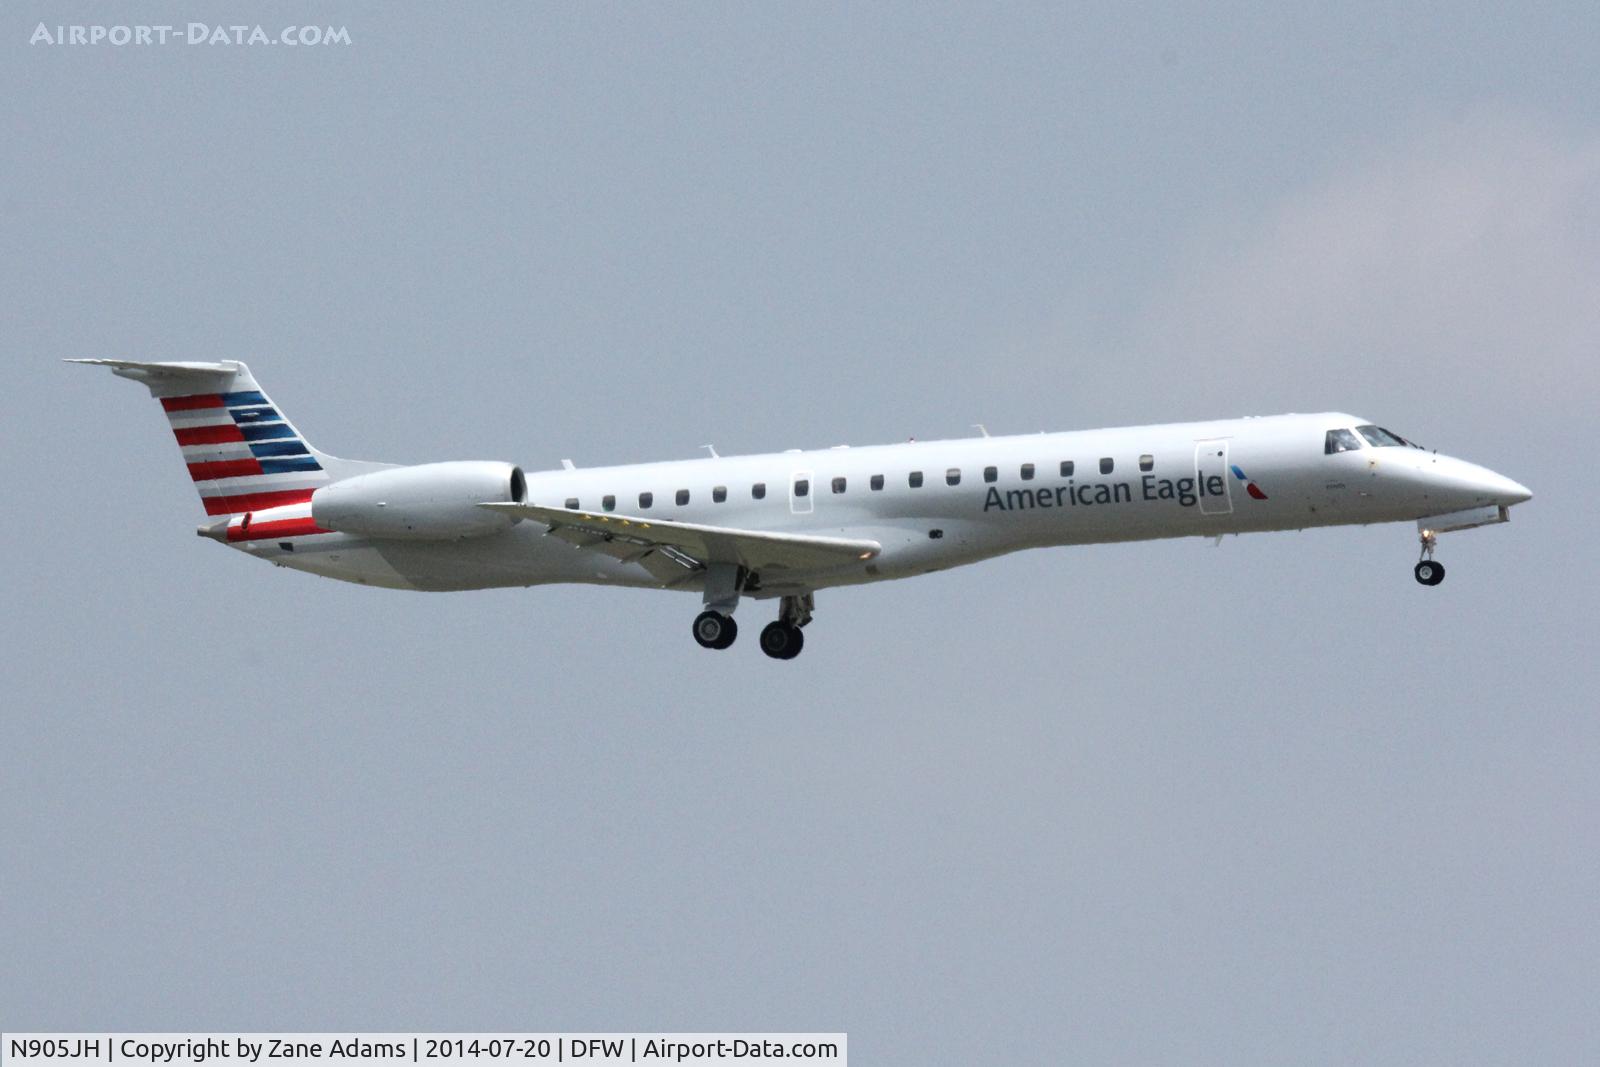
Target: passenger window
952,476
572,503
645,500
1340,441
1027,472
877,482
608,502
1106,465
914,479
838,485
802,486
683,497
991,474
1147,462
1066,468
719,494
759,491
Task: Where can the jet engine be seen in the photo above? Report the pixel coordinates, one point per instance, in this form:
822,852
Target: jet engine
427,502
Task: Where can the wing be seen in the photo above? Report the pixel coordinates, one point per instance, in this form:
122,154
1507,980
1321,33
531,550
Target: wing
671,550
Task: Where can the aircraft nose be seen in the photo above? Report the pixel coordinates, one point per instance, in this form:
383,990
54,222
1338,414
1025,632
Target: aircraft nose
1500,489
1512,492
1469,485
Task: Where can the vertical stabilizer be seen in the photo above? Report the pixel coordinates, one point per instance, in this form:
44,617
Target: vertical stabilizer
242,453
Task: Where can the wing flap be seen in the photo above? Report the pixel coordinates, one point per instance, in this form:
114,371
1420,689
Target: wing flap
702,545
661,562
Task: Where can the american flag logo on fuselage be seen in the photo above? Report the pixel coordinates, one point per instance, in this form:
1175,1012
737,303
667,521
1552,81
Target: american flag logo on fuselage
242,454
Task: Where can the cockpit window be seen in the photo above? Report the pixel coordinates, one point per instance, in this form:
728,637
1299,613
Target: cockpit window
1378,437
1341,441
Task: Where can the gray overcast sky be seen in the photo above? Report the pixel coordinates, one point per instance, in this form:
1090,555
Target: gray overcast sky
1268,802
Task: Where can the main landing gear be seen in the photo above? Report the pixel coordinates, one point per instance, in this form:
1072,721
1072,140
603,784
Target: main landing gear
715,628
1427,571
783,639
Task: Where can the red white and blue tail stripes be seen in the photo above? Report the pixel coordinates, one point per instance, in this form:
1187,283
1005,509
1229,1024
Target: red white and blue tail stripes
241,452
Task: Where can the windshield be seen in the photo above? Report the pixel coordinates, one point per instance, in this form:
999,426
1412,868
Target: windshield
1340,441
1378,437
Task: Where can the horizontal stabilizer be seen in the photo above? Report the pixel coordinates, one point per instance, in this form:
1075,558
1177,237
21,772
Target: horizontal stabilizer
172,379
754,549
228,367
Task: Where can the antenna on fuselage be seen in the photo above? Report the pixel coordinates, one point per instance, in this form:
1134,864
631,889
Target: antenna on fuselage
712,449
981,428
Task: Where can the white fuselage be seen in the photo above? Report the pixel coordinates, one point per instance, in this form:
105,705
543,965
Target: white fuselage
977,498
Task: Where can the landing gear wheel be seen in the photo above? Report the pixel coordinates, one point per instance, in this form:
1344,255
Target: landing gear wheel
781,640
1429,573
715,630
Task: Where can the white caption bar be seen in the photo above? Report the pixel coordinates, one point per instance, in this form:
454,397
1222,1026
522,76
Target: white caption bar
432,1050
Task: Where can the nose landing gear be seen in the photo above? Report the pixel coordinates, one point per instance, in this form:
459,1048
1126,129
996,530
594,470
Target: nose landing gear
1427,571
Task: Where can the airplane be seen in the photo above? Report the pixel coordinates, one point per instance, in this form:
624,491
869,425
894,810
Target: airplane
783,525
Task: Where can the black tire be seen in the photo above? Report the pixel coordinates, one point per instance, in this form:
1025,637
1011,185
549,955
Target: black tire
714,630
780,640
1429,573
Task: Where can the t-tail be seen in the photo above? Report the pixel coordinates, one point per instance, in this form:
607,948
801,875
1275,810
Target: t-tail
243,454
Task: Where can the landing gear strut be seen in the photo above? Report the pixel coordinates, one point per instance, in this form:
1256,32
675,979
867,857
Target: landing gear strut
1427,571
714,627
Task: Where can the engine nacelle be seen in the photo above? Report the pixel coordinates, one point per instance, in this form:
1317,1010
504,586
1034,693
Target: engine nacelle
428,502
